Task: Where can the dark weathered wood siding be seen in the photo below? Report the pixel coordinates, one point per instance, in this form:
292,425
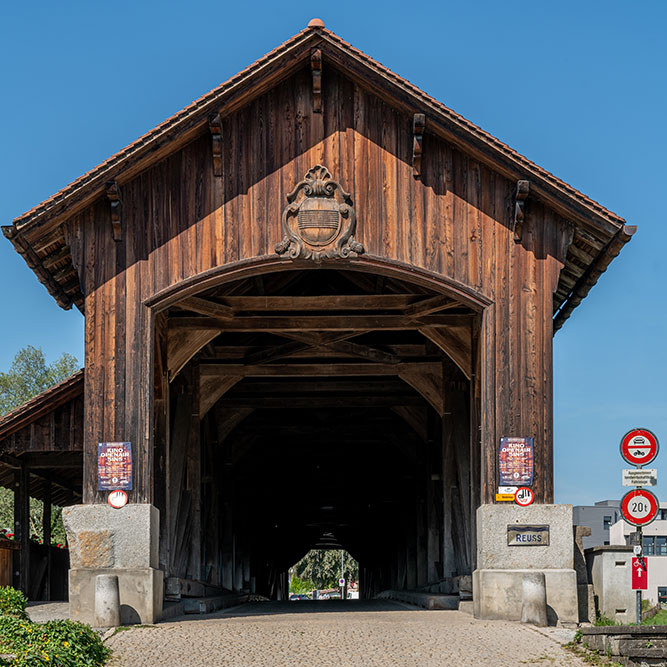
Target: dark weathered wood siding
179,220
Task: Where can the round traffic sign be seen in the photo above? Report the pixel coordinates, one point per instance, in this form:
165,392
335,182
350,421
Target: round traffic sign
341,582
117,499
639,446
639,507
523,496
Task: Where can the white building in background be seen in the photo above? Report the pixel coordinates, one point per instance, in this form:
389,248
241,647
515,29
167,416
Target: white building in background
655,549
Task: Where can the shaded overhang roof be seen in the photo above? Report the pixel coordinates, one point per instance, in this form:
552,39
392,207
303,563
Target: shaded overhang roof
54,473
38,237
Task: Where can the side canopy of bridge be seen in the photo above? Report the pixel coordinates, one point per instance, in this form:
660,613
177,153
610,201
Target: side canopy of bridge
41,454
315,299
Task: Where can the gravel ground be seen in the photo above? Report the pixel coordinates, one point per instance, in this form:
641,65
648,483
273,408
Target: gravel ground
40,612
378,632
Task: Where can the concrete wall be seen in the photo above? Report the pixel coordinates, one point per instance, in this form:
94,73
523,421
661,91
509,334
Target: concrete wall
610,571
123,542
498,579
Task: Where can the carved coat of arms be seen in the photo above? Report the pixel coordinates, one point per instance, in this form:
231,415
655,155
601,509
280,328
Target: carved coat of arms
319,220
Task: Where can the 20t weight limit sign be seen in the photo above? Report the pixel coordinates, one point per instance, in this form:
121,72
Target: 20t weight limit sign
639,507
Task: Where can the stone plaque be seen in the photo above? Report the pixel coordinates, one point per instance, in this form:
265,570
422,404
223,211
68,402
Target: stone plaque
522,535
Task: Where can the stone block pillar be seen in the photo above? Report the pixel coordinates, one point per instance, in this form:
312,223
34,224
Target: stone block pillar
498,579
121,542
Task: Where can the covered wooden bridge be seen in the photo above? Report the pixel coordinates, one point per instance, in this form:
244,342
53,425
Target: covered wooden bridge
315,300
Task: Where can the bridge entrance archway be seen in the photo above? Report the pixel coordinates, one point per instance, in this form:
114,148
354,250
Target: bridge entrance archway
326,406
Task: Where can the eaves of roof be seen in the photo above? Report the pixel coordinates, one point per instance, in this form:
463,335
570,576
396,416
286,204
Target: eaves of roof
276,65
43,403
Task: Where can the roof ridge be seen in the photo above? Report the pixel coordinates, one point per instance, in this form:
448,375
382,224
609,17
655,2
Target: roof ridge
210,96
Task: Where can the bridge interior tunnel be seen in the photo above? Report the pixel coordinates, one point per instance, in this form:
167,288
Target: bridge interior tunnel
316,409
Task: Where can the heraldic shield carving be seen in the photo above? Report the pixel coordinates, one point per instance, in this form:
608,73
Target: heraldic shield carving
319,220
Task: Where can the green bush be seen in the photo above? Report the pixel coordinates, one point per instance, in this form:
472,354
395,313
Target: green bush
58,643
12,602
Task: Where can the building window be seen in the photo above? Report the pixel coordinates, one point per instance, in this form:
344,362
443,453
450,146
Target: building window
663,514
649,545
661,545
606,523
662,594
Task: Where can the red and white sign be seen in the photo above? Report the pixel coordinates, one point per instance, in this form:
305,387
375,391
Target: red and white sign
639,447
639,507
639,574
524,496
117,499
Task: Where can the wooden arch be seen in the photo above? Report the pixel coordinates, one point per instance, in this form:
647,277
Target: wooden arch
455,340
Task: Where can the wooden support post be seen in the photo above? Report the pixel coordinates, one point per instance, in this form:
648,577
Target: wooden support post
113,195
434,499
316,70
46,537
194,475
215,127
448,486
22,528
418,126
161,480
522,189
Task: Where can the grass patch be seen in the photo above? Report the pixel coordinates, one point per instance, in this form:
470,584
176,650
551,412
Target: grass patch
591,657
659,619
604,620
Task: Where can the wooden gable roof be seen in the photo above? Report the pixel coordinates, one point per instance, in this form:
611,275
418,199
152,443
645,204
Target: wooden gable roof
38,236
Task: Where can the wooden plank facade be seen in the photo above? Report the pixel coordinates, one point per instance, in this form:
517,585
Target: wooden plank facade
439,321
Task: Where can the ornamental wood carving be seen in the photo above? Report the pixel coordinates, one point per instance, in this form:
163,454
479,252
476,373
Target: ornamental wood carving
319,221
113,195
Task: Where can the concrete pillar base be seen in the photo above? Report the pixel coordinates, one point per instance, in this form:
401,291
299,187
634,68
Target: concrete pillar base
121,542
140,595
498,579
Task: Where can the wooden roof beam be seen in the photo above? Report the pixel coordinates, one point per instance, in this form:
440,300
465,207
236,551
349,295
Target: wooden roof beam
317,323
365,302
312,370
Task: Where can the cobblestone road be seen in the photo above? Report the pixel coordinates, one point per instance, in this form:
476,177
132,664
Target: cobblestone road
379,633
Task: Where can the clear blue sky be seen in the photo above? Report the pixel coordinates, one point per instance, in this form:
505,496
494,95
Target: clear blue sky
578,87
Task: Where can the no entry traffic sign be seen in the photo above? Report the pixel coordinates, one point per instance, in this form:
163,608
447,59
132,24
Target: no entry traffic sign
524,496
639,447
639,507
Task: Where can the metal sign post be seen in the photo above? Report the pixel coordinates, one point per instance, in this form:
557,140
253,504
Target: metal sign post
639,507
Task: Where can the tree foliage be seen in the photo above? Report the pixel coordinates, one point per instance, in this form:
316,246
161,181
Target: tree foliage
29,375
323,567
301,586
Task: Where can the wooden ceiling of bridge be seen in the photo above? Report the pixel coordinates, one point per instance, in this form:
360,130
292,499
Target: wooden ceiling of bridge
316,338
